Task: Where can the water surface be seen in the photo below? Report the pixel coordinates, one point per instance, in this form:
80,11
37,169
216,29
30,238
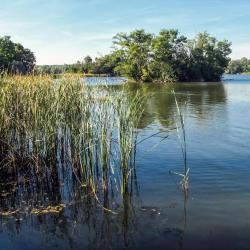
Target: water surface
156,214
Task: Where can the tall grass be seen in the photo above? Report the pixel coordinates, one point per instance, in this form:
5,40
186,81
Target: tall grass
53,130
181,132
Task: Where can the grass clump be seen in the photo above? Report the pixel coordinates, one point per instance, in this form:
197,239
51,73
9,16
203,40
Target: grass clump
55,132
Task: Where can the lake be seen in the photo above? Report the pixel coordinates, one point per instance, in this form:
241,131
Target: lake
156,214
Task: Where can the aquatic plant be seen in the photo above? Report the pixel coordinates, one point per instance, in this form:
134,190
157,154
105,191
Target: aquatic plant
181,132
65,131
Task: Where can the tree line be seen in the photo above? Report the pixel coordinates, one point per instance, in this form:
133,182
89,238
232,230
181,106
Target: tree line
104,65
141,56
239,66
168,56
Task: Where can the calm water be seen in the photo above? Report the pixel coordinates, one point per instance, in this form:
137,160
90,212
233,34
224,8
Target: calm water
156,215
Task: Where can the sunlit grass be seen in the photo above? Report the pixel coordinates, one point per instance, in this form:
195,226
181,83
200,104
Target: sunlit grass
181,132
52,128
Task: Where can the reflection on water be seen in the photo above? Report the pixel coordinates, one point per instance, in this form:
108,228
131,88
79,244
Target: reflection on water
160,105
105,80
154,213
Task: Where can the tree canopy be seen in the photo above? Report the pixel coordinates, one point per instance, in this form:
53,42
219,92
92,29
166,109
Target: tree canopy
14,58
239,66
146,57
100,65
167,56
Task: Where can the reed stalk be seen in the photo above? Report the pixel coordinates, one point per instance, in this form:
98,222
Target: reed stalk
181,131
89,131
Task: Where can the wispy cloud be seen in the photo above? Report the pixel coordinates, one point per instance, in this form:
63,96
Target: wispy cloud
181,20
64,31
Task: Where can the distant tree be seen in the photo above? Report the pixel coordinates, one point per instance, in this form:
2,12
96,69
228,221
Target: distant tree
14,58
244,62
235,67
106,64
87,64
239,66
165,57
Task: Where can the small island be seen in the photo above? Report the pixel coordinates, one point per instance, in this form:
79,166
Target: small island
140,56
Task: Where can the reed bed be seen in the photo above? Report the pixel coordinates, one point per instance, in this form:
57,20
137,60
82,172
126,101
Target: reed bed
61,132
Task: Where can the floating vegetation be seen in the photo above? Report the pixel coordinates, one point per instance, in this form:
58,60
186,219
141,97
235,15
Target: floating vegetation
8,213
49,209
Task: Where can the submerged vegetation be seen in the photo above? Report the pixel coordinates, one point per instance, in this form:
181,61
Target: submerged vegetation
55,130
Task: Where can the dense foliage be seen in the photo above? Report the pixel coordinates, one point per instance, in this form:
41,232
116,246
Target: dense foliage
142,56
14,58
101,65
145,57
239,66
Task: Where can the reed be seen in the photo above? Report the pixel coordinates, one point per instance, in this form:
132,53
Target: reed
181,131
65,129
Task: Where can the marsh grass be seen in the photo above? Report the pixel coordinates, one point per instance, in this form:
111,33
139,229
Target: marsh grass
181,132
57,133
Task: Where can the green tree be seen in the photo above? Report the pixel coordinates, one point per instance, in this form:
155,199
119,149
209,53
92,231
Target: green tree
244,62
235,67
166,57
208,58
106,64
14,58
134,50
169,56
87,64
239,66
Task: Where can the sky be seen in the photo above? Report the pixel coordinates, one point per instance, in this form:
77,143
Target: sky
64,31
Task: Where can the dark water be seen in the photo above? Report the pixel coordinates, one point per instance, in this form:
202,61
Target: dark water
157,215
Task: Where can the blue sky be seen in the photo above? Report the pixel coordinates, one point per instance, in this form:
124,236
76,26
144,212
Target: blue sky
64,31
